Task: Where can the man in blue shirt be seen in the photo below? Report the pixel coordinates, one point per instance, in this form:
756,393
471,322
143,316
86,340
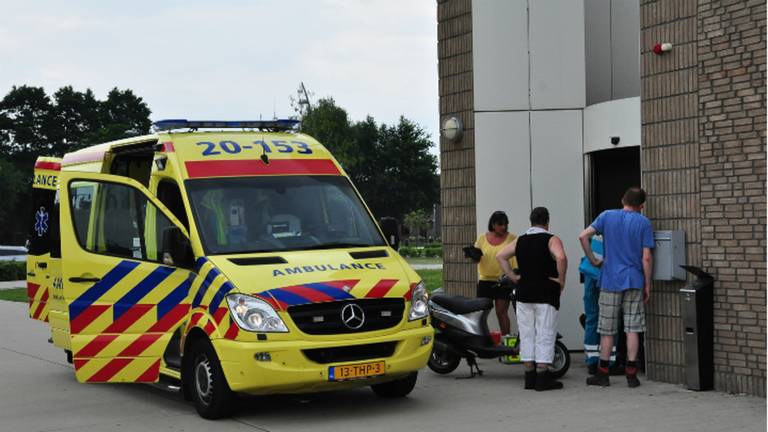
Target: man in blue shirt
625,279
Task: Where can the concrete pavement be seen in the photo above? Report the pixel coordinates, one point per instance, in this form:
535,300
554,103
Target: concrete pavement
39,393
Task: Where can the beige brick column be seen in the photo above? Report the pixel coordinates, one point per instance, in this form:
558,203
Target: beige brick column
457,159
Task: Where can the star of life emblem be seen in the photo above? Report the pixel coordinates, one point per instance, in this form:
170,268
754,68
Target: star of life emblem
41,222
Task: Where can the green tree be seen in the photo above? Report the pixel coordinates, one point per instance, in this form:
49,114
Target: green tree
76,119
122,114
417,221
390,165
13,184
25,123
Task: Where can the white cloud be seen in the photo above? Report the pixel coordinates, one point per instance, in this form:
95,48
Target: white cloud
231,59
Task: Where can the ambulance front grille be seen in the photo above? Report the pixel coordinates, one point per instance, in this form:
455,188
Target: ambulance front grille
350,353
325,318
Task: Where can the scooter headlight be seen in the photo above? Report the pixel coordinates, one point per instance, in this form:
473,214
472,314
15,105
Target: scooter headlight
419,303
256,315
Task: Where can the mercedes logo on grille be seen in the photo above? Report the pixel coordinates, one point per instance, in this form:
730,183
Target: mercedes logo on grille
352,316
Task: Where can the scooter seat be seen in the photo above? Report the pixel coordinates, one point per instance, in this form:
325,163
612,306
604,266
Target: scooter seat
461,304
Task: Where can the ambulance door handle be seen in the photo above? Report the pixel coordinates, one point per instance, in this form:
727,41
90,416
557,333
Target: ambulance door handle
30,273
84,279
42,265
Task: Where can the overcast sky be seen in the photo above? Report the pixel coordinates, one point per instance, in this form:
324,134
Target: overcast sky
231,59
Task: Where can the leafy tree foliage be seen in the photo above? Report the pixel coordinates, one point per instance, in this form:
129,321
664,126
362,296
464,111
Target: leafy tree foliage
390,165
34,124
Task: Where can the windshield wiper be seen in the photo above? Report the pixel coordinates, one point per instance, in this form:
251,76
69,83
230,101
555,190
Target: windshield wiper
336,245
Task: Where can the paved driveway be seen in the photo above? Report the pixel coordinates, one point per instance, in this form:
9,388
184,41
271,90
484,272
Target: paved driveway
38,392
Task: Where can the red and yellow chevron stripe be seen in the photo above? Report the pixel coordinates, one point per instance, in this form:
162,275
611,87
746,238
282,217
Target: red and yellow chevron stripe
37,296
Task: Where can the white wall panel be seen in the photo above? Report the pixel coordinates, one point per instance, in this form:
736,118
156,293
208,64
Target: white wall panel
597,18
500,54
617,118
557,54
625,48
556,181
502,168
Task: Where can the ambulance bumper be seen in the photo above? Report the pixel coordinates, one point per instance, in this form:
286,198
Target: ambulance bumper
284,367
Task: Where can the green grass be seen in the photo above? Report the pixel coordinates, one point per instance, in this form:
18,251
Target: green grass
14,294
432,278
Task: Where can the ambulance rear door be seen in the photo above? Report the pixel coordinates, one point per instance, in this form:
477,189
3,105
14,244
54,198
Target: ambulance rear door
40,223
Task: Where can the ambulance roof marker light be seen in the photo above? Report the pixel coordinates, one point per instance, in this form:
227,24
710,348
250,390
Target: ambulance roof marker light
278,125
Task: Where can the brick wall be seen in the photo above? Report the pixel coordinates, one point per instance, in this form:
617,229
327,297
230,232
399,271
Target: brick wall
703,163
731,76
457,159
669,164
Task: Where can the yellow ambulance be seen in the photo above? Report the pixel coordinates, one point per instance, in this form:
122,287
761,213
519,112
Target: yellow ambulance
229,257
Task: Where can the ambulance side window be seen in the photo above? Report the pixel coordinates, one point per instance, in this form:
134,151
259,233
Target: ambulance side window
112,219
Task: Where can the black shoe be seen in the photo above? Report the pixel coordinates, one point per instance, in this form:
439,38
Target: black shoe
530,379
599,379
632,381
592,369
544,382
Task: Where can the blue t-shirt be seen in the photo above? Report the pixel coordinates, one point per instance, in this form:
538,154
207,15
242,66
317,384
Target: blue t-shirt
625,234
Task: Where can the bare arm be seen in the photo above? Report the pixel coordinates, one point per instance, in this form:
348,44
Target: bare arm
585,239
648,273
503,258
558,252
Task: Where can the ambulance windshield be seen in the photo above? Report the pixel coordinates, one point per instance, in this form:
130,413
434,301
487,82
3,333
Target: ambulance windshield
279,213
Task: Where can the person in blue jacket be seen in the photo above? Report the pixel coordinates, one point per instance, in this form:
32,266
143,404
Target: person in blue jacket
591,275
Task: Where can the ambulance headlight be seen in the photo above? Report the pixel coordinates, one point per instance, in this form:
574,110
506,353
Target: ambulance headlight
254,314
419,303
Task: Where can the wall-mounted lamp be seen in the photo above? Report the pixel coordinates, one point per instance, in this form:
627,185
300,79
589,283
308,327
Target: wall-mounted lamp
615,140
661,48
452,129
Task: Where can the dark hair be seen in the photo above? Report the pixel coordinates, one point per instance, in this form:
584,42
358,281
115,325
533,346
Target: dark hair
539,216
634,197
497,218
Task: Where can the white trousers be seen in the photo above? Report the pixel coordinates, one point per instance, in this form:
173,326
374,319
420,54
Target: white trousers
537,324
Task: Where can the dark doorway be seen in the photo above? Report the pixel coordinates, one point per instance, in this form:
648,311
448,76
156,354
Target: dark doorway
612,172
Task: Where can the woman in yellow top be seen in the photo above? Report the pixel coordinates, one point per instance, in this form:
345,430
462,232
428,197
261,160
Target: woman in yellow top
488,269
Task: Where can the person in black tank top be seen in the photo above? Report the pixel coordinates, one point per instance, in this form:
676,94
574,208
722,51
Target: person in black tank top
542,266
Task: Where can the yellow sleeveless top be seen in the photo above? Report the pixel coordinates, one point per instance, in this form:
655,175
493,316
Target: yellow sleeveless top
488,268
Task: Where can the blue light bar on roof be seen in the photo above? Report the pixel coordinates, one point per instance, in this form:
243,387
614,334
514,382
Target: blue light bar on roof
275,125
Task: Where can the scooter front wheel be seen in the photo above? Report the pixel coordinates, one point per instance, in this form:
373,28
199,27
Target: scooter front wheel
442,360
561,362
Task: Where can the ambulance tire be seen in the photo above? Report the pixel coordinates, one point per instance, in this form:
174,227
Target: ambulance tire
396,389
211,395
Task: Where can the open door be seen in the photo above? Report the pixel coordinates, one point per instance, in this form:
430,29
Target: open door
124,303
40,223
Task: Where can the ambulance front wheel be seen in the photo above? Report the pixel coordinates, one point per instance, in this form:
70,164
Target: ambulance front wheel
210,392
397,388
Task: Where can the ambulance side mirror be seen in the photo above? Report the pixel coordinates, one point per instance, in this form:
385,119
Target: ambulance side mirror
177,250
